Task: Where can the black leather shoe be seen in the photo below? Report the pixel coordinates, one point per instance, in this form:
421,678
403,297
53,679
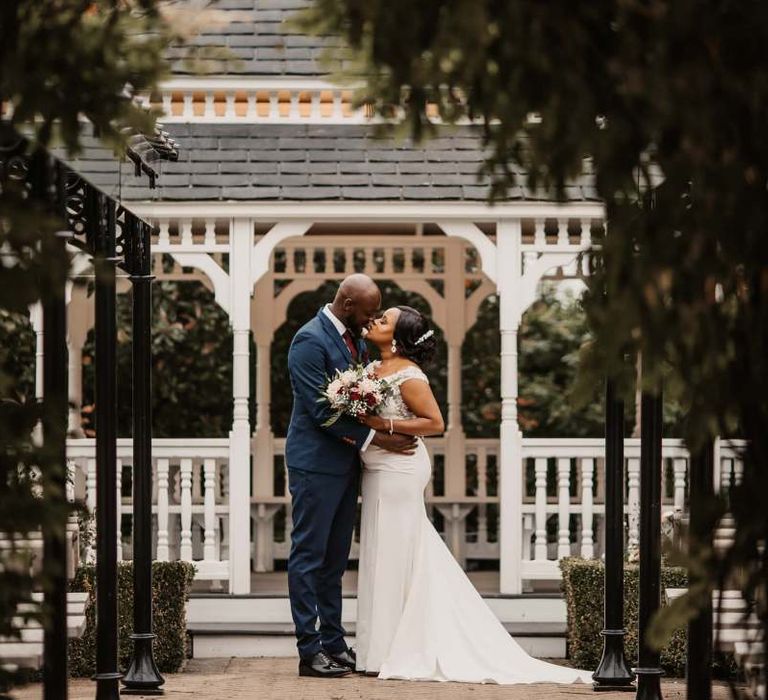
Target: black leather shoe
346,658
321,665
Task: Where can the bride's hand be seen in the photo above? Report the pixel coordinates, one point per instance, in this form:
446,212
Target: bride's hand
373,422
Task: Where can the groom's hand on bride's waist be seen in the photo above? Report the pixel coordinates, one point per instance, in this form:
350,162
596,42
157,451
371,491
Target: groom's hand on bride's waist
403,444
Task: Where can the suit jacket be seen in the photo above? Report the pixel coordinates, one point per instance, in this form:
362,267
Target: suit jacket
316,352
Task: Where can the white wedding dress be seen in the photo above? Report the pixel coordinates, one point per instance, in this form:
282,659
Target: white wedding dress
418,615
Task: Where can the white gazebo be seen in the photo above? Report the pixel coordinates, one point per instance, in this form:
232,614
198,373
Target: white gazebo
280,187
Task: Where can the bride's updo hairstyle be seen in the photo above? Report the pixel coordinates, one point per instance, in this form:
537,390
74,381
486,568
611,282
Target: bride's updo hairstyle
415,339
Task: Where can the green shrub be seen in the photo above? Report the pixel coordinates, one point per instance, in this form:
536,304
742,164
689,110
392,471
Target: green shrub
171,583
583,590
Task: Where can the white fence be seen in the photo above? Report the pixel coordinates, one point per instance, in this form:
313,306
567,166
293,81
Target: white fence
562,509
190,496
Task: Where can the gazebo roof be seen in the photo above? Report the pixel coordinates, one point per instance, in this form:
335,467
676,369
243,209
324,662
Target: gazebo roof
313,162
256,34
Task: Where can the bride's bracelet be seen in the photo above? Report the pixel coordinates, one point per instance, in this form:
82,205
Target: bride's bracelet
391,426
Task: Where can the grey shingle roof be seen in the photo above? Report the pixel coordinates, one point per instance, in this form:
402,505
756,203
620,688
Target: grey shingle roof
309,162
257,37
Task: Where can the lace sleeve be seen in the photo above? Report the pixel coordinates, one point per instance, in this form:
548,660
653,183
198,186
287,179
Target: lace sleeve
411,373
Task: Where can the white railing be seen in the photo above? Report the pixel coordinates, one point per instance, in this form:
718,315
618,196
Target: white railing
248,100
562,510
190,499
563,505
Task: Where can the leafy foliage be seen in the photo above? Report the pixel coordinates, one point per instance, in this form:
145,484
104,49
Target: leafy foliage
59,62
551,335
663,104
582,587
171,584
192,364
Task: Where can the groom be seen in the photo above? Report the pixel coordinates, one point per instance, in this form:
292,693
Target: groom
323,474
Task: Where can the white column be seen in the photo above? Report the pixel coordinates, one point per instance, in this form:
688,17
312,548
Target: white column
511,439
455,450
241,241
563,507
587,510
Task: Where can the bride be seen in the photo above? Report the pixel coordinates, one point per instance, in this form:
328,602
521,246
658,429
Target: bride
419,617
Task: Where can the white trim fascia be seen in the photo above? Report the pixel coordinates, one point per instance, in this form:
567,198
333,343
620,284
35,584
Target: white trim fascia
357,211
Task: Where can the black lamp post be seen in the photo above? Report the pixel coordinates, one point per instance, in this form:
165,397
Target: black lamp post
142,676
648,661
699,651
613,672
43,179
101,221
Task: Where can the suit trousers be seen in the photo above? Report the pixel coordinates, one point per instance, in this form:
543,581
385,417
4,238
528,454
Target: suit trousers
324,513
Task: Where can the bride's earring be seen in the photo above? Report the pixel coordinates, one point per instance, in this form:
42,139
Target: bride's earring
394,346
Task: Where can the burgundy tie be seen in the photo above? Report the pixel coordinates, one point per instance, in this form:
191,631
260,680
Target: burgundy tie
350,344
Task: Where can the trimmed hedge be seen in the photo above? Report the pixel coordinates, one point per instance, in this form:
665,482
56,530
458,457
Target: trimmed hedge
171,584
582,586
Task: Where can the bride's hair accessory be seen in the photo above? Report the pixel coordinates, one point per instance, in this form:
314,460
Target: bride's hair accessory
422,338
394,346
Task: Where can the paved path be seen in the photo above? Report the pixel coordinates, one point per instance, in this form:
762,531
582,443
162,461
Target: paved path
275,679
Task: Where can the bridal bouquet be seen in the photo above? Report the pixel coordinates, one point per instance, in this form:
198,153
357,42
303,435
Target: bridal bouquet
353,392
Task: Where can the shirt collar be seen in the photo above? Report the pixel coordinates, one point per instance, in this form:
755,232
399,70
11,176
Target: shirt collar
337,324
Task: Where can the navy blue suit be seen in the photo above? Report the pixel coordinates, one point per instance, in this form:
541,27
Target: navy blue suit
323,475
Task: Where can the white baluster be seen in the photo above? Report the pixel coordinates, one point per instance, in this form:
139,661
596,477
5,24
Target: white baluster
587,503
210,110
633,500
539,237
562,231
186,231
314,105
679,467
229,110
563,504
338,112
540,470
167,103
210,232
251,110
164,237
293,110
188,111
186,509
119,509
274,105
162,509
209,499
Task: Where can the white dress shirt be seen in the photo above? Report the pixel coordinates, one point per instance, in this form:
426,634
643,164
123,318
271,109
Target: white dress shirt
342,329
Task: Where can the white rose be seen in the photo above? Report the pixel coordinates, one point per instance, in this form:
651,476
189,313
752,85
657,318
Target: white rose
368,386
333,389
348,378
